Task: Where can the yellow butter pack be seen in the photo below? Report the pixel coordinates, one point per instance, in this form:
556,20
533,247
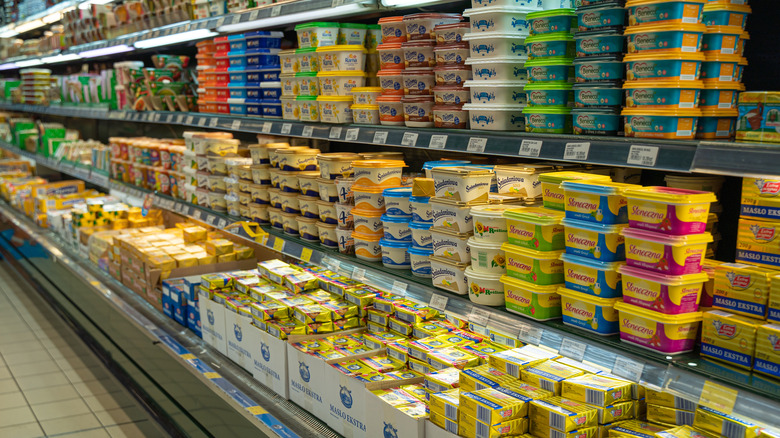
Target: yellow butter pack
416,390
443,380
414,410
494,405
419,366
635,428
760,198
387,303
280,329
451,357
383,364
504,339
483,376
718,423
372,377
620,411
443,422
414,313
398,326
512,361
563,414
483,350
729,338
378,340
309,313
773,308
398,351
549,375
742,289
313,345
300,281
360,297
597,390
602,431
768,350
431,328
470,427
445,403
539,430
757,242
404,374
419,349
344,341
394,396
669,416
683,432
378,317
354,367
661,398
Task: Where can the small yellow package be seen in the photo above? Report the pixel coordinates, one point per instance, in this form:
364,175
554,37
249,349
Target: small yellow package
661,398
419,366
431,328
313,345
354,367
219,247
597,390
378,317
414,410
512,361
729,338
549,375
483,376
539,430
419,349
742,289
445,404
281,329
494,405
416,390
383,364
683,432
398,326
718,423
768,350
635,428
470,427
395,396
440,359
563,414
669,416
398,351
483,350
443,380
194,234
377,341
414,313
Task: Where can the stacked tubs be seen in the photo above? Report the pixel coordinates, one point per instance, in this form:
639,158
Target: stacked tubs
598,69
336,200
497,56
253,74
551,49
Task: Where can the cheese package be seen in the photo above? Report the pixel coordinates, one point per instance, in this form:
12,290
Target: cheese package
742,289
471,427
445,404
549,375
494,405
563,414
483,376
483,350
669,416
539,430
416,390
395,396
378,317
773,308
597,390
512,361
451,357
443,380
683,432
443,422
635,428
401,327
729,338
768,350
383,364
661,398
620,411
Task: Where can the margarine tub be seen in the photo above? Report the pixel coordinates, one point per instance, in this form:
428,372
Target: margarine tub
462,183
551,45
292,159
521,179
595,241
307,184
601,201
366,247
490,223
551,21
450,245
484,288
665,38
669,210
499,19
307,228
664,11
553,196
729,338
668,334
666,294
369,198
592,277
395,254
541,303
588,312
452,215
487,257
397,202
336,164
367,223
344,215
721,40
556,69
672,255
308,206
449,275
421,209
677,124
327,212
396,229
421,234
662,94
378,173
326,188
664,66
535,228
537,267
345,241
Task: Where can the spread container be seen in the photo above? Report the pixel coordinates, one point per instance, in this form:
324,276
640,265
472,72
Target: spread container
552,21
395,254
490,223
450,245
552,45
484,288
664,66
666,294
421,235
594,240
669,210
537,267
668,334
369,198
327,233
397,202
396,229
530,300
510,19
366,246
553,195
497,45
673,255
487,257
664,11
496,69
535,228
677,124
378,173
449,275
603,202
496,92
327,212
663,94
462,183
588,312
664,38
598,44
367,223
592,277
496,117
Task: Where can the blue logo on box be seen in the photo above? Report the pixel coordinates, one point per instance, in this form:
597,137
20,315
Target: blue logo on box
210,316
389,431
237,332
304,371
346,396
265,351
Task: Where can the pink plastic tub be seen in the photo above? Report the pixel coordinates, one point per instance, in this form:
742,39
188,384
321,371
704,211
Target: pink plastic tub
667,294
668,210
668,334
671,255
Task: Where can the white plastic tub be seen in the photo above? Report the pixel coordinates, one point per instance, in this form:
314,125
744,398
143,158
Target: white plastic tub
462,184
397,202
449,275
344,188
395,255
307,229
327,212
327,189
487,257
451,245
489,222
335,109
421,209
498,69
290,203
497,92
365,114
342,58
419,259
484,288
336,164
530,4
368,223
452,215
308,206
327,234
346,241
367,247
369,198
421,234
344,216
496,45
340,83
496,117
505,19
396,228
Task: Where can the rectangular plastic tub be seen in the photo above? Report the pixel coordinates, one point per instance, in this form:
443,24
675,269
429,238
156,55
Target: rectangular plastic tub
667,334
592,276
539,268
595,241
668,210
541,303
666,294
553,195
535,228
588,312
672,255
601,201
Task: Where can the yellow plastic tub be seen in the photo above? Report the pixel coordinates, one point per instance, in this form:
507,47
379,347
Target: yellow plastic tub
667,334
665,38
537,267
553,194
378,173
588,312
535,302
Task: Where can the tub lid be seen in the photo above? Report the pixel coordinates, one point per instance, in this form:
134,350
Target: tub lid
666,239
391,19
316,24
671,195
462,171
388,46
389,73
338,156
526,168
491,210
496,60
597,264
453,234
712,6
395,243
492,36
451,46
681,318
389,98
446,67
631,3
535,215
398,192
664,84
687,56
532,253
597,33
306,74
555,36
593,226
502,10
420,251
367,189
433,15
721,57
471,273
730,30
420,225
720,113
599,59
492,107
335,99
378,163
270,84
452,263
417,99
366,90
353,26
417,72
548,86
478,243
444,163
321,74
342,48
568,293
297,150
596,111
326,181
306,50
310,220
419,43
365,107
674,280
546,110
515,282
687,112
361,212
664,27
598,187
420,199
395,219
459,25
543,62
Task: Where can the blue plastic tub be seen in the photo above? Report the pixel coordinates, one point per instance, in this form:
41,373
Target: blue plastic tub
596,121
271,108
592,277
587,95
595,241
261,57
599,43
263,39
396,228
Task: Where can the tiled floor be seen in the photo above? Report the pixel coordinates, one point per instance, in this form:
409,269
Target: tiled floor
51,384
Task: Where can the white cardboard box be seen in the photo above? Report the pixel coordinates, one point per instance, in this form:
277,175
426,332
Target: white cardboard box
212,322
269,359
434,431
388,422
239,345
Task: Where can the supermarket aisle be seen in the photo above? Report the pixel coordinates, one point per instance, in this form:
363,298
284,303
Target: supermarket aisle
51,384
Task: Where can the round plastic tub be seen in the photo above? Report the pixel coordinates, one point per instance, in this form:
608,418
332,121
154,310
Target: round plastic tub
595,241
365,114
317,34
344,216
550,119
508,19
393,29
451,54
450,245
391,56
275,218
451,33
259,194
307,84
590,313
717,124
290,203
335,109
451,74
491,45
666,294
553,195
421,235
307,184
487,257
307,229
450,94
290,224
463,184
396,229
721,40
489,223
537,267
449,275
418,111
395,255
496,117
327,212
346,242
297,159
450,116
484,288
607,17
344,189
420,26
396,201
669,210
496,92
549,94
366,95
326,188
599,43
672,255
599,69
378,173
391,110
340,83
592,96
596,121
259,214
535,228
367,247
418,82
592,277
664,38
662,94
391,82
600,202
308,206
368,223
327,234
421,209
418,54
529,300
719,14
551,21
657,123
337,164
664,11
550,70
419,259
667,334
664,66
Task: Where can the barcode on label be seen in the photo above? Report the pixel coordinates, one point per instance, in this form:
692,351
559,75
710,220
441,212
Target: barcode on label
451,426
450,411
556,434
483,414
352,134
576,151
476,144
642,155
530,148
481,430
237,125
380,137
594,397
513,370
286,128
409,139
684,418
335,132
307,131
438,142
557,421
547,385
479,385
733,430
685,405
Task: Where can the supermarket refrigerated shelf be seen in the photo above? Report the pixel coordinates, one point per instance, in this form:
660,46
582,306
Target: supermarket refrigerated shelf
724,158
688,375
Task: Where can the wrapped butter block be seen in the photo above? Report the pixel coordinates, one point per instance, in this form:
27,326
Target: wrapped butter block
563,414
494,405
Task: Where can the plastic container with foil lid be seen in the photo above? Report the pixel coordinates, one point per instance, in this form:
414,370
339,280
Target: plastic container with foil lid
396,229
664,38
484,288
553,195
496,117
421,235
346,241
367,247
450,94
335,109
717,124
451,54
344,188
599,69
341,58
532,301
450,116
588,312
594,240
397,202
391,110
490,224
290,223
592,277
487,257
378,173
336,164
462,184
537,267
344,216
666,294
720,14
418,111
553,45
451,33
664,66
327,212
393,29
669,210
368,223
491,45
535,228
451,245
665,254
365,114
662,94
548,119
307,229
596,121
391,82
592,96
421,209
601,17
366,95
395,254
598,43
677,124
340,83
326,188
550,70
667,334
449,275
664,11
508,19
308,206
496,70
552,21
420,26
723,68
419,259
549,94
418,82
719,96
602,202
521,179
721,40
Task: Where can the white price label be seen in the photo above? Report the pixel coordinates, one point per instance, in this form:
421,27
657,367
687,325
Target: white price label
179,119
438,302
286,128
333,265
213,122
642,155
437,142
190,119
572,348
156,118
202,121
222,223
409,139
335,133
276,10
479,316
336,3
380,137
236,124
399,288
267,127
628,368
530,148
116,115
576,151
220,22
253,15
352,134
476,144
307,131
358,274
530,334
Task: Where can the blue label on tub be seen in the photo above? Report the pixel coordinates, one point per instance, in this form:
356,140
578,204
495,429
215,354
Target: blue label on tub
547,73
598,97
598,71
598,250
599,45
601,282
601,18
555,23
673,69
665,40
597,323
662,97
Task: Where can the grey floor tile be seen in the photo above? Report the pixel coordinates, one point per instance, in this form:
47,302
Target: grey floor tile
41,381
34,369
20,347
77,362
141,429
8,385
59,409
12,400
19,337
27,430
96,387
112,400
51,394
14,416
86,374
70,424
121,415
92,433
5,373
23,357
